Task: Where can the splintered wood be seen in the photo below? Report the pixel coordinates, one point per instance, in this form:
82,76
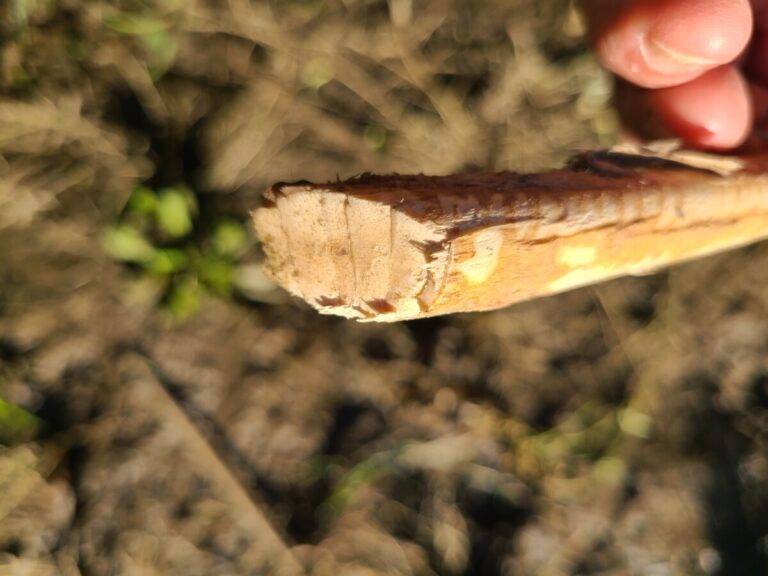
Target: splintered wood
388,248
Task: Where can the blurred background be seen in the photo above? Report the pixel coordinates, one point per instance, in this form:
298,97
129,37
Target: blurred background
164,409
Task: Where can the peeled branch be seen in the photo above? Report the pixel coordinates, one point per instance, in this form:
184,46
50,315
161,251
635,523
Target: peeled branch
389,248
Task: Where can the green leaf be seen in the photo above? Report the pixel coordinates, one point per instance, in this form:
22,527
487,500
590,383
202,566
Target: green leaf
375,136
20,13
216,274
16,424
143,200
168,261
360,475
163,48
184,298
316,73
127,244
229,238
175,210
135,24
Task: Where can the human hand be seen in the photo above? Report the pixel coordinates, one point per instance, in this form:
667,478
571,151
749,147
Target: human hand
699,66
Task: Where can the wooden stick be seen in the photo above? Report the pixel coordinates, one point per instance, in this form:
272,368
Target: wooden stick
267,550
388,248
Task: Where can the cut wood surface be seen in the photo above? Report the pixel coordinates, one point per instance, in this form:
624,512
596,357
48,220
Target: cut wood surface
388,248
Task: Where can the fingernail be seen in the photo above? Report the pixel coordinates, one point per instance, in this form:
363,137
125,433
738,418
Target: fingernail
665,60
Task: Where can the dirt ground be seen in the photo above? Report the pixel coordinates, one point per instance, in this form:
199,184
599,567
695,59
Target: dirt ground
165,410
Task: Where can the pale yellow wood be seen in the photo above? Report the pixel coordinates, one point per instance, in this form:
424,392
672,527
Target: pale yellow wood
403,247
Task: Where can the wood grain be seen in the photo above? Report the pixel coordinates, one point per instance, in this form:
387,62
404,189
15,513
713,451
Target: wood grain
388,248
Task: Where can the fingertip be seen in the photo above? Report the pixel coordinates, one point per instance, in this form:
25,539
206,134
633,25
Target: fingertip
660,43
714,111
708,30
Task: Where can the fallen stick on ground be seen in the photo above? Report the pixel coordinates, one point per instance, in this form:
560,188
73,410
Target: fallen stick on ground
266,552
388,248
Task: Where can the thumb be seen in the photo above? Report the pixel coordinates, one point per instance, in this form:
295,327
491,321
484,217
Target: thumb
661,43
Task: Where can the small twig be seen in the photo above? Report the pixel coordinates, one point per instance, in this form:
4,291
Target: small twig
268,548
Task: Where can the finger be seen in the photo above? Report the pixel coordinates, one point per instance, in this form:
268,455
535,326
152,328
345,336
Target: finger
714,111
661,43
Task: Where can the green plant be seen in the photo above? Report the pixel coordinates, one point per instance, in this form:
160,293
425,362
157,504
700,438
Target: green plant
154,27
16,424
160,234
